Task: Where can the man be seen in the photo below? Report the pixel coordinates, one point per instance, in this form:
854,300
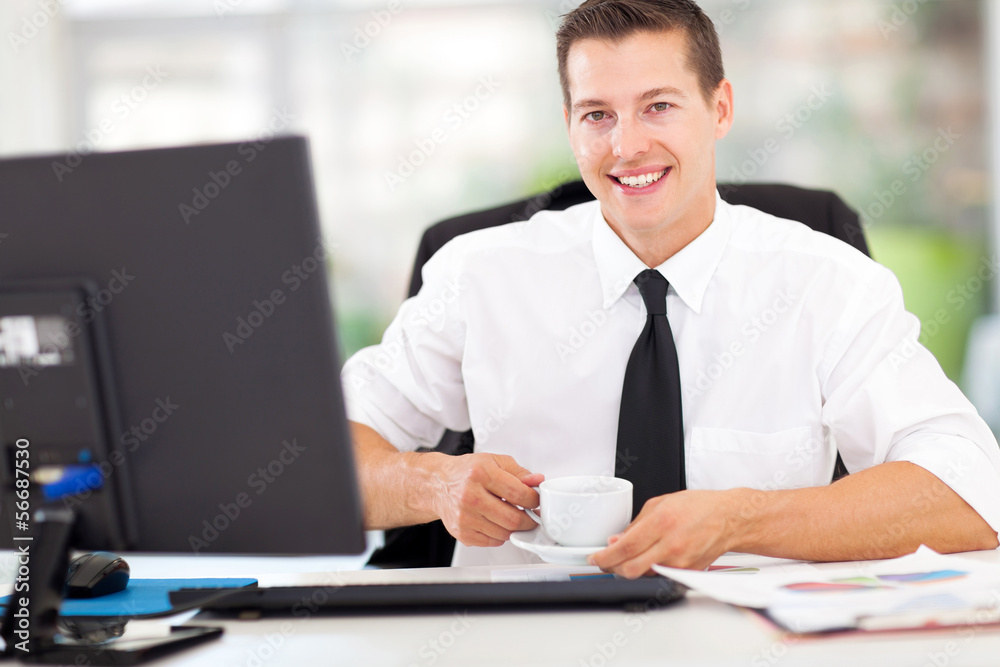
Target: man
791,346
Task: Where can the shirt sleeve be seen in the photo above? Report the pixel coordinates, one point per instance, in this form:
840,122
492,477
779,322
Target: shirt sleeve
887,399
409,388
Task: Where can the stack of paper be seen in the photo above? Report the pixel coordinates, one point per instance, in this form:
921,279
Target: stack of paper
924,589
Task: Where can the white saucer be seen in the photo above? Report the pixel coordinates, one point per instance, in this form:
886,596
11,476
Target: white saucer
539,543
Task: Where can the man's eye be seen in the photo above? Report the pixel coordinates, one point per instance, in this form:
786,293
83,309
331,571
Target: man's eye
661,106
595,116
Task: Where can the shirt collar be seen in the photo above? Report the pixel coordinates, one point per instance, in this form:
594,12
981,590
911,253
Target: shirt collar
689,271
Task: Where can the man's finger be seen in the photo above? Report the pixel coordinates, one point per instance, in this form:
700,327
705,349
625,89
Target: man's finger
508,464
628,556
626,547
505,485
523,475
475,538
507,516
532,479
495,517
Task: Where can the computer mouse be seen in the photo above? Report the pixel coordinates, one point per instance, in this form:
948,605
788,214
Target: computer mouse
96,574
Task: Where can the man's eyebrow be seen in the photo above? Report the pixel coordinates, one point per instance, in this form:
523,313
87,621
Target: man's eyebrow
588,104
659,92
648,95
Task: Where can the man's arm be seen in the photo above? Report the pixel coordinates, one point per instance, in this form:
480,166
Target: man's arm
474,495
885,511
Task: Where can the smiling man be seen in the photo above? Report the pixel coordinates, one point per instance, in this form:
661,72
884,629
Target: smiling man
647,154
669,278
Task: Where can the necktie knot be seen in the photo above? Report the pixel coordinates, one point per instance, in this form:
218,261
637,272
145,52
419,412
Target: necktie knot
653,288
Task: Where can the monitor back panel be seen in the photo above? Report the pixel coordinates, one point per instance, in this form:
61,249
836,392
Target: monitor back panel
211,278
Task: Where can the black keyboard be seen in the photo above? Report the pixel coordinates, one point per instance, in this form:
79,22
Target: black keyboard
643,594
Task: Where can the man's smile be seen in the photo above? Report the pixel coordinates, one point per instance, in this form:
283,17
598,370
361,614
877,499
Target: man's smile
638,180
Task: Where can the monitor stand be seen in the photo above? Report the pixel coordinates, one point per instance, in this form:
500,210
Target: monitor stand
33,630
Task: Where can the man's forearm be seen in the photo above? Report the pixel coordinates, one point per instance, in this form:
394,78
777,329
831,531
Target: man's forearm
395,486
882,512
477,496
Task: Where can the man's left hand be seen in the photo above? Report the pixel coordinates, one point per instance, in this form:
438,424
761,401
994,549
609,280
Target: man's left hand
688,529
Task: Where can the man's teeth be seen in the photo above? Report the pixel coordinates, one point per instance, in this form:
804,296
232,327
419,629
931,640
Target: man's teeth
643,180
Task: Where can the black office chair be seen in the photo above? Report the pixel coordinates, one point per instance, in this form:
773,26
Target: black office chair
430,545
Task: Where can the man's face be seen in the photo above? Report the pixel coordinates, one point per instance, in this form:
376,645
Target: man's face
638,116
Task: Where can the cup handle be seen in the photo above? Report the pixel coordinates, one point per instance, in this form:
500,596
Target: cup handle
537,519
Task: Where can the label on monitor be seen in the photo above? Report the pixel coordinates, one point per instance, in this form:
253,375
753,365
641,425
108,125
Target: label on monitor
38,341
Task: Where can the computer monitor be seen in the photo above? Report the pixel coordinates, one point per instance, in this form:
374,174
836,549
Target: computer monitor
168,353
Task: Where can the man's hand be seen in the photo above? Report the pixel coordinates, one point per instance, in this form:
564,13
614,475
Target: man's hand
687,529
884,511
477,495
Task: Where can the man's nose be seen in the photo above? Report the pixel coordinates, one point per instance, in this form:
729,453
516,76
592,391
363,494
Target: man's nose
629,138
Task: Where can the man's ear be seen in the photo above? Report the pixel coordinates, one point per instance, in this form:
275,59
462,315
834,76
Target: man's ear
566,116
723,108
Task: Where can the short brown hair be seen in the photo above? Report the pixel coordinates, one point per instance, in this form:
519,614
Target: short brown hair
615,20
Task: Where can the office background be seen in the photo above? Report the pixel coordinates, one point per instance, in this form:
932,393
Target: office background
422,109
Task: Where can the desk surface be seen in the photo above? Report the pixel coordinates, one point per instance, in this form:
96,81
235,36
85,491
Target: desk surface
696,631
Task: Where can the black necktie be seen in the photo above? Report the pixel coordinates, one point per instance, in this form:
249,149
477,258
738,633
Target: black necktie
650,427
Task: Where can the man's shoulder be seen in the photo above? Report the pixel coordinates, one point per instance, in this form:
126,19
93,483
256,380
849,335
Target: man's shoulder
792,252
545,232
755,231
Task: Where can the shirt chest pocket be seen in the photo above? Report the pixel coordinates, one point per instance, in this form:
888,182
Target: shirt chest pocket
717,458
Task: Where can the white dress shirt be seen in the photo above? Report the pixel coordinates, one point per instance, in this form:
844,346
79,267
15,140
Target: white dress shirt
791,345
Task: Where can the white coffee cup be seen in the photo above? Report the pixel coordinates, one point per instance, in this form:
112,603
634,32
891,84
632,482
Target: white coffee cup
584,511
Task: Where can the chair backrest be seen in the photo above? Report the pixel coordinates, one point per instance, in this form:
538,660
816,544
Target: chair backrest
430,545
822,210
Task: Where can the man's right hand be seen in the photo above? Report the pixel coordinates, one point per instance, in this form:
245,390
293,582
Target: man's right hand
476,496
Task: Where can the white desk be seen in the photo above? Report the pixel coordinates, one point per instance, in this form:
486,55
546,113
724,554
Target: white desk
696,631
